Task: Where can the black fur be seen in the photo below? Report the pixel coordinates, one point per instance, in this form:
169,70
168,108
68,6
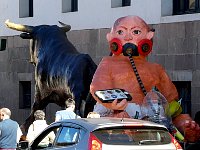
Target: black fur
61,72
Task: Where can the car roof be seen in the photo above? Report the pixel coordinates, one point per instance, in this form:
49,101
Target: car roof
92,124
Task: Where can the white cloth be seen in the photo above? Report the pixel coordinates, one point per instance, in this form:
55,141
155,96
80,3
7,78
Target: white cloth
35,129
132,109
19,134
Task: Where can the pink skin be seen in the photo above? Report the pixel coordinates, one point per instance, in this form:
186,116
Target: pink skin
192,125
131,29
119,106
192,131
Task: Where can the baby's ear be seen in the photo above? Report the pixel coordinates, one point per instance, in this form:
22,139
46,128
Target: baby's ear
150,35
109,36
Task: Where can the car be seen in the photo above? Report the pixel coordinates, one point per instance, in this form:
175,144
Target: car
105,133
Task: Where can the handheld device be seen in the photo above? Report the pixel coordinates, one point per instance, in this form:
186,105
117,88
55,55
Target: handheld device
109,95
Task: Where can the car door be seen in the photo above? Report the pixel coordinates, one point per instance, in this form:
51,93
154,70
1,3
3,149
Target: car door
67,136
52,129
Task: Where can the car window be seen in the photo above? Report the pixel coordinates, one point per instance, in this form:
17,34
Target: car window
133,136
69,136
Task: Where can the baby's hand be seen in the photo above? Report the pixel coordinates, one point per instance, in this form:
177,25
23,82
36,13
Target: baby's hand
119,106
122,114
192,131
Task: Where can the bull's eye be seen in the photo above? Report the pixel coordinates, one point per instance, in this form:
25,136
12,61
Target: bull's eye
120,32
136,31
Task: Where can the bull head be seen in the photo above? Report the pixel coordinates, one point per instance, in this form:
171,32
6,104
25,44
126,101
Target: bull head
29,29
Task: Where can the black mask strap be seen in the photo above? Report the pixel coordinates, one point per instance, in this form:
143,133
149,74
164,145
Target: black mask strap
137,75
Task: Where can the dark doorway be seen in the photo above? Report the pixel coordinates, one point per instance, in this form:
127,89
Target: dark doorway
184,90
24,94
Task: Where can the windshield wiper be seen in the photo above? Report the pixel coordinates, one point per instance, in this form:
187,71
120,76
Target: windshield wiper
147,142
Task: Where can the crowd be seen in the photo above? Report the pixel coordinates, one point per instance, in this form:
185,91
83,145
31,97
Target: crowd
10,132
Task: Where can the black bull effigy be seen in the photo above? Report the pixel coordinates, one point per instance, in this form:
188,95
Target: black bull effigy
61,72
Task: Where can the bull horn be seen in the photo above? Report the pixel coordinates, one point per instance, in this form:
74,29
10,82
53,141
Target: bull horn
65,27
19,27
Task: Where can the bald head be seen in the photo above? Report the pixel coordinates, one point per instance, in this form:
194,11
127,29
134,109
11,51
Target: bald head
136,19
5,113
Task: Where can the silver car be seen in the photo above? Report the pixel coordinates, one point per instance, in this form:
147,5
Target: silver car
105,134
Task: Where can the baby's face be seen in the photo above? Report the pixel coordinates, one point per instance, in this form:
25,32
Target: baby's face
130,29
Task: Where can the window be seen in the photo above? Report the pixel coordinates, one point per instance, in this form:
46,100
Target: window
185,6
24,94
67,135
133,136
184,91
69,6
120,3
2,44
25,8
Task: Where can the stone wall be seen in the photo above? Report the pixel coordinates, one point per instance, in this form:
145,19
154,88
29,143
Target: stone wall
176,47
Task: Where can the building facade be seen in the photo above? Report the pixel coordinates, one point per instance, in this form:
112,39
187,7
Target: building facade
176,42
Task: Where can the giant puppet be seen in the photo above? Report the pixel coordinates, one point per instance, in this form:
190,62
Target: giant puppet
61,72
130,42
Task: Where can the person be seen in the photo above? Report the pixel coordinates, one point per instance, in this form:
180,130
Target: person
68,113
37,127
127,68
10,132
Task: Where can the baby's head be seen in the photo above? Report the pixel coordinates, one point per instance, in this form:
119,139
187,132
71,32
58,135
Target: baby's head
132,31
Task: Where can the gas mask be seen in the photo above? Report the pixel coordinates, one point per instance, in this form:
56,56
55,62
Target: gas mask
129,49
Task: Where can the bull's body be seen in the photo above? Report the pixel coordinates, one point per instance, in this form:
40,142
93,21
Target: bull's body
61,72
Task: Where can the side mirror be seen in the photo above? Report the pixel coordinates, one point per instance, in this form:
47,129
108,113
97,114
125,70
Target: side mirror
23,145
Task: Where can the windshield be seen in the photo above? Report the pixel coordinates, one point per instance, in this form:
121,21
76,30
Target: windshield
130,136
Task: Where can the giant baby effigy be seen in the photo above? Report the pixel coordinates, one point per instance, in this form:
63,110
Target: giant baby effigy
127,68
